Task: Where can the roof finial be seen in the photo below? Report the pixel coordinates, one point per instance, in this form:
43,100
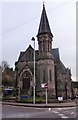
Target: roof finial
43,3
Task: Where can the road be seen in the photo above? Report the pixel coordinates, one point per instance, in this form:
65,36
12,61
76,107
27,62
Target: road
9,111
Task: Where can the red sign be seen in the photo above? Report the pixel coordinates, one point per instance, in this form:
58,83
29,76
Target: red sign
46,85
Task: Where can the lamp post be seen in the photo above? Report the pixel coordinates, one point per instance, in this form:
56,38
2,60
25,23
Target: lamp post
33,39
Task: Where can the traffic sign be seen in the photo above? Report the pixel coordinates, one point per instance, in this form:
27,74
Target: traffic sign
46,85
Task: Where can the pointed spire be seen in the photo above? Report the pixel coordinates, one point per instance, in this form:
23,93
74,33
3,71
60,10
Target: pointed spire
43,4
44,24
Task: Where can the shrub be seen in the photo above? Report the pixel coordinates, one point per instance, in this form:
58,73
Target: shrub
30,100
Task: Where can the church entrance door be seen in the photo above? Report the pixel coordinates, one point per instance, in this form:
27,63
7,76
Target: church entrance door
26,83
26,78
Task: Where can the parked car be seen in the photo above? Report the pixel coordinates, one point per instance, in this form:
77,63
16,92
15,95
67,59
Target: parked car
7,91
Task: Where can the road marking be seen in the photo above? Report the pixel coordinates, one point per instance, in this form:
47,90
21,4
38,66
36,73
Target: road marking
72,113
63,116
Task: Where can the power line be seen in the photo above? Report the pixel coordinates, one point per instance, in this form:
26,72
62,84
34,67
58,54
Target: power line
26,22
17,26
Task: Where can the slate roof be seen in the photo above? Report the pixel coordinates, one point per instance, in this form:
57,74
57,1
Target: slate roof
44,24
23,53
20,56
62,67
55,53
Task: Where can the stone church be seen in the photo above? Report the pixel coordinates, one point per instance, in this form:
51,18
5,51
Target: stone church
48,66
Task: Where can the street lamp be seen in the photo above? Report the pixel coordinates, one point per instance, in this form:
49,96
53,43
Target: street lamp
33,39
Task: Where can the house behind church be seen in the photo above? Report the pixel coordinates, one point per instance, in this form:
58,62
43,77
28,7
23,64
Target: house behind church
49,68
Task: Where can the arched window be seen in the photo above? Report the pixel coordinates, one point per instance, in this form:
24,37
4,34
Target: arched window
48,46
44,76
50,75
40,46
32,56
43,45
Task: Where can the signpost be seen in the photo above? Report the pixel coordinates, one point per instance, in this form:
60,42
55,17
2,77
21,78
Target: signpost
46,96
45,86
33,39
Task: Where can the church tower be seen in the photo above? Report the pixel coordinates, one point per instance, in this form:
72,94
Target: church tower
44,36
45,68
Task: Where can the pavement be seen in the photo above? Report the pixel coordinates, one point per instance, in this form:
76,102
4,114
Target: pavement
48,105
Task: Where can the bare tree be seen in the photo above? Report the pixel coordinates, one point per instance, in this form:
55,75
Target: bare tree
7,74
4,65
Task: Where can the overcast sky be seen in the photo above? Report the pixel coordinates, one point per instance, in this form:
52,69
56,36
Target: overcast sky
20,21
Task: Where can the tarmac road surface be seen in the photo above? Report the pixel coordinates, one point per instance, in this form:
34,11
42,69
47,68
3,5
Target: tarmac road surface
9,111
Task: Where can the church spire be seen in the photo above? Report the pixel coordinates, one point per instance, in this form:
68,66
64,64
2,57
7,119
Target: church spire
44,24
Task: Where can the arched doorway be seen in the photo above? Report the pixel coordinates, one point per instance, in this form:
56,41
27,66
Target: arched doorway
26,78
